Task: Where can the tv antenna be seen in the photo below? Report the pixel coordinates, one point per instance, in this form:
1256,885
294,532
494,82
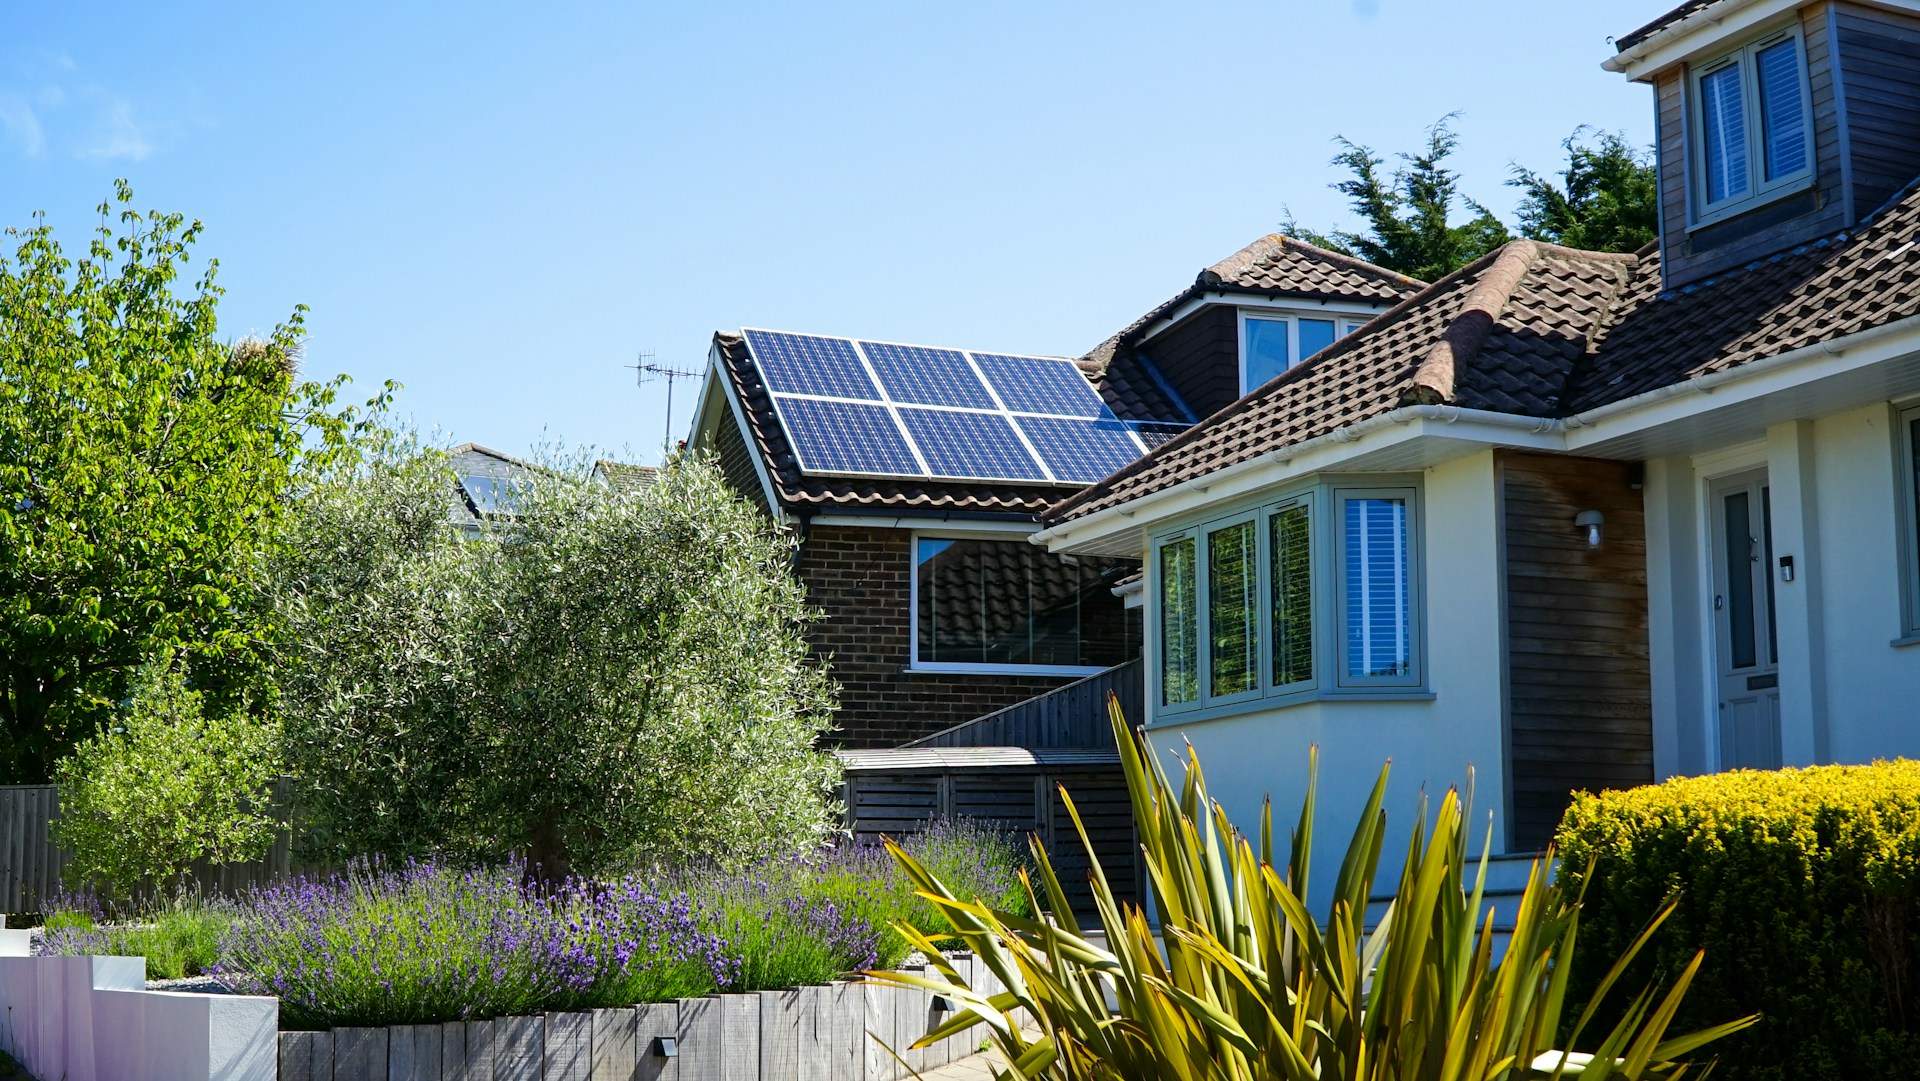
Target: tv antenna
646,369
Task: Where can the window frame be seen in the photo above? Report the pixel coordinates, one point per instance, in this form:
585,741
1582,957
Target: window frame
1760,190
1321,499
1344,323
978,668
1907,480
1416,609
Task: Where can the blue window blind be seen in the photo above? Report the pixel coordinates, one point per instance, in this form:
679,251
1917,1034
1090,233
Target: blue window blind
1724,131
1265,353
1375,572
1783,118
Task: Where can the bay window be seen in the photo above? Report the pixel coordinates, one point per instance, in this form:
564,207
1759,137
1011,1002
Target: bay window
1315,594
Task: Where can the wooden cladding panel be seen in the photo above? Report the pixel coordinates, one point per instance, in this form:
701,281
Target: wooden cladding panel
1880,64
1579,699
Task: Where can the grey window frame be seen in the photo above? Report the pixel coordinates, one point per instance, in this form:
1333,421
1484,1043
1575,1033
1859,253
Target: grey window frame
1907,477
1416,601
1344,323
1760,191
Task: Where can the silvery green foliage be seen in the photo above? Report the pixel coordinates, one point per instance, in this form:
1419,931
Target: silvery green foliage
606,678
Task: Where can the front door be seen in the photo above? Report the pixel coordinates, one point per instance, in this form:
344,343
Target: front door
1748,666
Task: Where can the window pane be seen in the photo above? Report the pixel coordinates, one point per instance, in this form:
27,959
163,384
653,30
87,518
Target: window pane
1737,527
1315,335
1233,620
1179,642
1723,129
1783,122
1291,569
1010,602
1378,634
1265,353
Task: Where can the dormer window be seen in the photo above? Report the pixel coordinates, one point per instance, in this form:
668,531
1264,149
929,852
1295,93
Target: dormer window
1751,138
1272,342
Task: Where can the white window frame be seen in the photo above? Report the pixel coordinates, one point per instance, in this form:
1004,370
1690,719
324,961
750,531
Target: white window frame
1415,614
1908,502
1760,190
1323,499
979,668
1343,325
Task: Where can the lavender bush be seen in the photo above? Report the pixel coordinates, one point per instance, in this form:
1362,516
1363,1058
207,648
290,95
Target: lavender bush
428,943
178,937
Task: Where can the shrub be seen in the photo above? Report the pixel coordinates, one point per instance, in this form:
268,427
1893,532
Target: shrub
1799,884
170,784
429,943
178,938
1248,984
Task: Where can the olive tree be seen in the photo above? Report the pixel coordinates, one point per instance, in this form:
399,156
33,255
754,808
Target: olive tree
605,677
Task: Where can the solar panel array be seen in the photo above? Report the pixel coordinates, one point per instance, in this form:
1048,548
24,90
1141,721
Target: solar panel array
880,409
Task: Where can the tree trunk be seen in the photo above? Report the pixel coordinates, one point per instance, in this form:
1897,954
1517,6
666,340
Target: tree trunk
548,863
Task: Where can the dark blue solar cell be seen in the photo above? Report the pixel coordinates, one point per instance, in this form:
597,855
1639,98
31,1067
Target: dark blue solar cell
1155,432
923,376
1080,451
846,437
973,445
1041,385
806,364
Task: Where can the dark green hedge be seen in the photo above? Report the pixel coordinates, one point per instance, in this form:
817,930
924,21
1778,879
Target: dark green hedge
1802,885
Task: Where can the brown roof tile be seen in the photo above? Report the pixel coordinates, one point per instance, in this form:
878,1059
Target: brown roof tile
1543,331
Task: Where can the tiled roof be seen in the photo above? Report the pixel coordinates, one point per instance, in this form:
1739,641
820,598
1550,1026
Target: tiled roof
625,476
1629,40
1503,333
1538,330
1273,266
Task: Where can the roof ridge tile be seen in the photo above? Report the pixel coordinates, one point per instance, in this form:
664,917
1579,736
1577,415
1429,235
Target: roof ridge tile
1433,381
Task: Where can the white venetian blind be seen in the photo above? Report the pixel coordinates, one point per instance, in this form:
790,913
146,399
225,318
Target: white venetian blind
1378,634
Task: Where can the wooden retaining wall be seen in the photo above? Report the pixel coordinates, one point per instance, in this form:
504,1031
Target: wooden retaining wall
31,864
835,1032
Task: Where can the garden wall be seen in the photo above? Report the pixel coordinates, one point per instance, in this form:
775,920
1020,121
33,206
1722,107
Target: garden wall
834,1032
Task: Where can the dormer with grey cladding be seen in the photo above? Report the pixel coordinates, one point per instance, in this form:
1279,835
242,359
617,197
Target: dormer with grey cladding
1778,123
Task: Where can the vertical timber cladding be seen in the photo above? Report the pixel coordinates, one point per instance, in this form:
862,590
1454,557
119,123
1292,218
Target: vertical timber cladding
1579,699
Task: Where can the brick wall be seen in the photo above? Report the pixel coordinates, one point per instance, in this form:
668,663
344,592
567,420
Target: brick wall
861,578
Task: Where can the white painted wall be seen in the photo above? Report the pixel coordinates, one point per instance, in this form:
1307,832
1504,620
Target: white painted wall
1432,744
1848,693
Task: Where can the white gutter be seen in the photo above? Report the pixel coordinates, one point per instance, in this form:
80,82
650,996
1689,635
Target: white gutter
1701,385
1337,438
1713,13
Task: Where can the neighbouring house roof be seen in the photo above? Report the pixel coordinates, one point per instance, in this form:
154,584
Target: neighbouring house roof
625,476
481,475
1543,331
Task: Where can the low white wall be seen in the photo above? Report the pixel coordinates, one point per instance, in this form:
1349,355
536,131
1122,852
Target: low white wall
92,1019
1248,757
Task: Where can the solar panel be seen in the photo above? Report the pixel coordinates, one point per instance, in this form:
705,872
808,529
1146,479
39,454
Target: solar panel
923,376
806,364
847,437
1041,385
1080,451
965,444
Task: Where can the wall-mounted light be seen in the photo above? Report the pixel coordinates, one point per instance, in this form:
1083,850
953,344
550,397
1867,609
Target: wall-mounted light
666,1047
1590,520
942,1004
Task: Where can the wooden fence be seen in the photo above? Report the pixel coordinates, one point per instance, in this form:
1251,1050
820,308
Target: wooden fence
31,865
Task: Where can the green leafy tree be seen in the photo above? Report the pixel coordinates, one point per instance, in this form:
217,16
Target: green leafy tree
142,463
612,677
170,783
1410,213
1606,199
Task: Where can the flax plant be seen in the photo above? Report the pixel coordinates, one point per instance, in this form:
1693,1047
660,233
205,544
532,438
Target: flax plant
1242,982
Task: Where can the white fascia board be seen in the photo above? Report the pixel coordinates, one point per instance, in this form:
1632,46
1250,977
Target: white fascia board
1733,386
1712,27
1215,297
1322,454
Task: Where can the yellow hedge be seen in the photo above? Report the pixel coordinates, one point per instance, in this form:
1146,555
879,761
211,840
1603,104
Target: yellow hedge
1803,886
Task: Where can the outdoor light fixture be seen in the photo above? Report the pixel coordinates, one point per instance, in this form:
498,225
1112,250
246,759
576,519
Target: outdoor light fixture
942,1004
1590,520
665,1047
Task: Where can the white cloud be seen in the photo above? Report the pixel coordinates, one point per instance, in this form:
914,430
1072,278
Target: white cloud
117,136
17,119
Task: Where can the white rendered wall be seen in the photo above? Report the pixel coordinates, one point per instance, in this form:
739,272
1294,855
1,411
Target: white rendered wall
1847,693
1249,756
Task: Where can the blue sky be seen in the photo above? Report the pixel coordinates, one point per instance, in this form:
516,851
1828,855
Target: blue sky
501,205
